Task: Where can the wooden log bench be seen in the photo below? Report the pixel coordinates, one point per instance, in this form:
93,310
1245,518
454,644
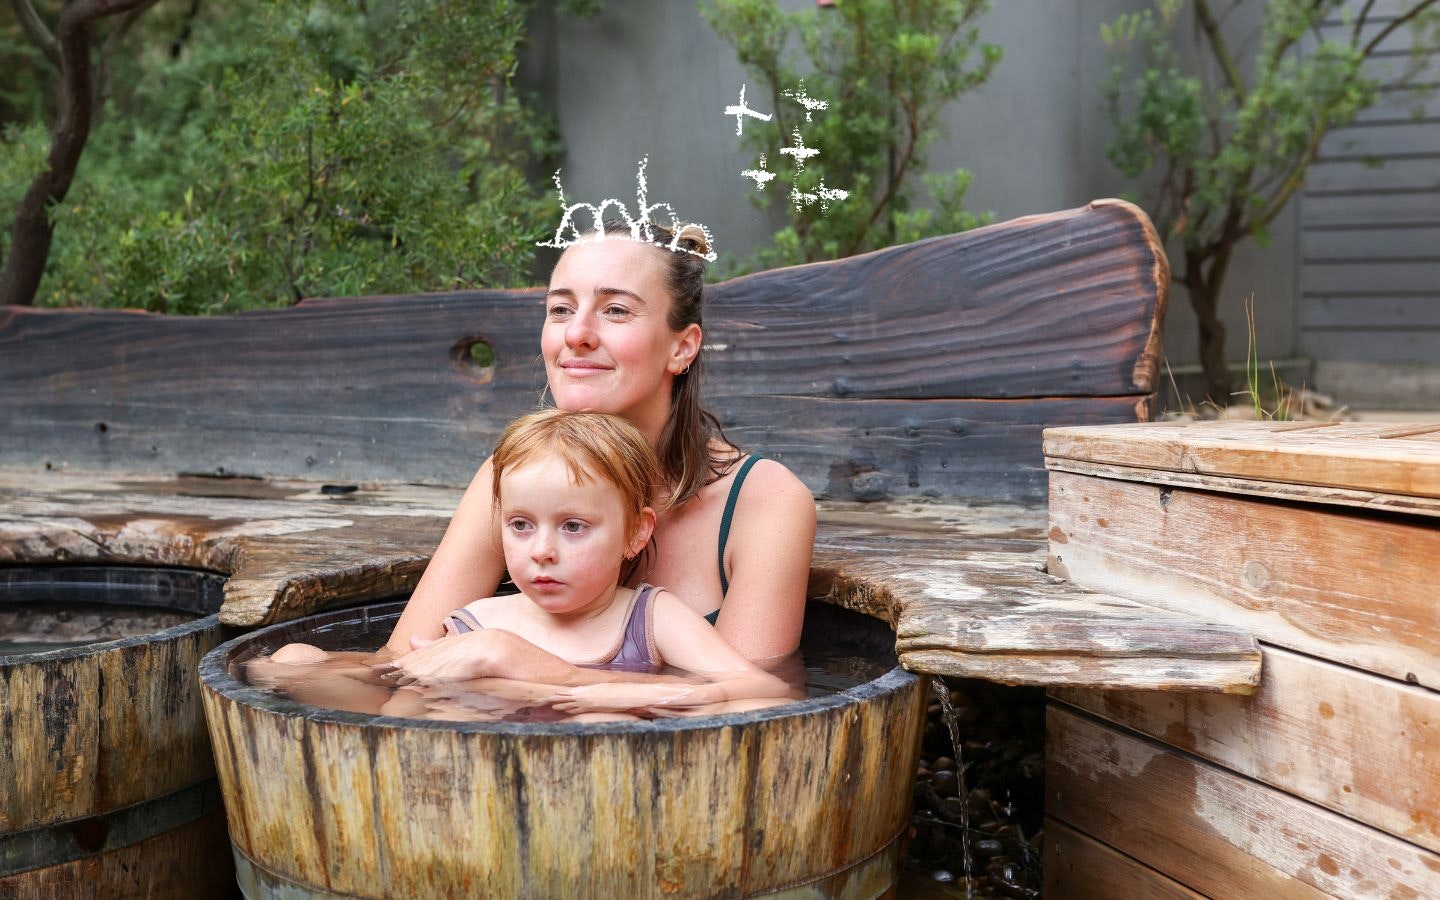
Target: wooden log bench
314,454
1323,539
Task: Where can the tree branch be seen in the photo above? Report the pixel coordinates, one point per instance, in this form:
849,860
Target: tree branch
1297,177
1316,7
1360,22
1414,11
1218,46
36,31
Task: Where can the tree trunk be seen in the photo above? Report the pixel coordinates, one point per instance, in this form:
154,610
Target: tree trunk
31,233
1204,289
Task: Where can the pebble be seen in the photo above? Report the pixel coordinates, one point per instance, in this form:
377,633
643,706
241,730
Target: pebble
994,806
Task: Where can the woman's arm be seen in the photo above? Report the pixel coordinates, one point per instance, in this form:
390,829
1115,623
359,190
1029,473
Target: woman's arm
467,565
772,535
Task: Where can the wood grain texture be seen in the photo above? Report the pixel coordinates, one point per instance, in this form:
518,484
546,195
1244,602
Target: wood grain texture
871,450
87,733
1341,585
1379,457
1265,490
187,863
990,612
288,547
1218,833
1364,746
1078,867
963,582
631,810
1060,305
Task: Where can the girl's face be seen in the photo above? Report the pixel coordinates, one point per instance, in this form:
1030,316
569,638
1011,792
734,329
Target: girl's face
564,542
607,343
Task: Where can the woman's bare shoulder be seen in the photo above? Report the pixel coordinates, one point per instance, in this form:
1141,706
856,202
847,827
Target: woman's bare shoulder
771,480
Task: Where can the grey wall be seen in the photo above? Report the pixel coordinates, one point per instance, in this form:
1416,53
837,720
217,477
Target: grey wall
649,77
1370,267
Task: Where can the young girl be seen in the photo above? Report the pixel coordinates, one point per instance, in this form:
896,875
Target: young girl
574,494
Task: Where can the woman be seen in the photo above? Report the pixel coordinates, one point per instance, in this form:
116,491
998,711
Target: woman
622,335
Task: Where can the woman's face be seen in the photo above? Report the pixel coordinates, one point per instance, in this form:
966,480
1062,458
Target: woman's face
606,341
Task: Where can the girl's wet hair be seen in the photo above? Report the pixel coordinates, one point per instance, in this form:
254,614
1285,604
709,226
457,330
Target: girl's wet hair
592,445
693,450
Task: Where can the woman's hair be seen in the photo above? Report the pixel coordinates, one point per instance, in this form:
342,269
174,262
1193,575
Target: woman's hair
592,445
687,448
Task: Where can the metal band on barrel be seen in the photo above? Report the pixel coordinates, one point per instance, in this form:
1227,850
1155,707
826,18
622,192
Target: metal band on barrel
62,842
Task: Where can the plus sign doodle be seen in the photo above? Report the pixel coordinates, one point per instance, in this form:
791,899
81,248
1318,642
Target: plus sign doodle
797,151
740,111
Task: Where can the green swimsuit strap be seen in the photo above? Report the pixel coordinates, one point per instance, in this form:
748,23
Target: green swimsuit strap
725,525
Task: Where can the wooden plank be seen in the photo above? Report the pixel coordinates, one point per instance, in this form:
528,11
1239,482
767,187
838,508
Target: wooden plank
1385,313
1380,141
872,450
993,614
1093,276
1061,305
1382,457
1364,746
1379,11
1402,39
1360,277
1403,104
1368,599
1413,242
292,550
1390,346
289,548
1081,868
1269,490
1216,832
1394,175
1410,207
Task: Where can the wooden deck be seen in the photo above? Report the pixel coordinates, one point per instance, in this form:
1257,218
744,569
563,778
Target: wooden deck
963,585
1322,540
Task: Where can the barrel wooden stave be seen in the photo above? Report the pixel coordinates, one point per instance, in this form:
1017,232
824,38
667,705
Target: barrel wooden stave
93,733
810,799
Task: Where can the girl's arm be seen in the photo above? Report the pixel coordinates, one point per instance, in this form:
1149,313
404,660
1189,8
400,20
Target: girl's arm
467,564
497,653
772,536
685,640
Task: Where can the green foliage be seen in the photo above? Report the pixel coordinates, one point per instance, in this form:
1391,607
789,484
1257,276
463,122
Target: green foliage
266,151
1221,156
887,68
1229,155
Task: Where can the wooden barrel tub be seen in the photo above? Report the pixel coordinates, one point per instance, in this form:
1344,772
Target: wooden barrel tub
809,799
107,783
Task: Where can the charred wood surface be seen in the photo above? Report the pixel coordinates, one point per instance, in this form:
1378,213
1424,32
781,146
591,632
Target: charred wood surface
932,365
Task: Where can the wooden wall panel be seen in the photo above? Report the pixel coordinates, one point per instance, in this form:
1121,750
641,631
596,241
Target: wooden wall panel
1368,210
1344,586
1364,746
1078,867
1216,832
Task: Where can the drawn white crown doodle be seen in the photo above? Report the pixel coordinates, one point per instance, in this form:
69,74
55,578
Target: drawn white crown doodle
639,225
